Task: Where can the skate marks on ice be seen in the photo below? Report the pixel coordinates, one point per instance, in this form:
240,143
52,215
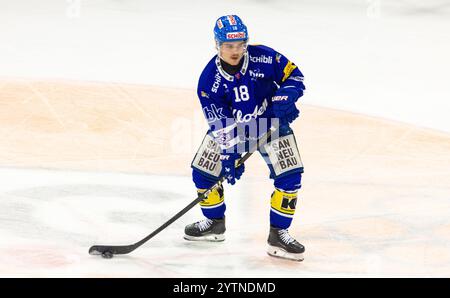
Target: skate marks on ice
49,219
374,200
46,231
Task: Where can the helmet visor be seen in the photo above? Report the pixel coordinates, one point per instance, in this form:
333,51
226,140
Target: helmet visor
235,46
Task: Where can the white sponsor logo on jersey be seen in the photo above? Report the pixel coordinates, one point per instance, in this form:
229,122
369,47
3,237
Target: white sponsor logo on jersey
214,113
261,59
256,73
216,84
246,118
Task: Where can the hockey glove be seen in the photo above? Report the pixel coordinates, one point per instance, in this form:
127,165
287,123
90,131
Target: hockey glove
228,167
284,105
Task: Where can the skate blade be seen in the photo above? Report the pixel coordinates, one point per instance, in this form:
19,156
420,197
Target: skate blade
282,254
210,238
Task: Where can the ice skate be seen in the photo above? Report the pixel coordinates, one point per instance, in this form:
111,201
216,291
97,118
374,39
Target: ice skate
206,230
282,245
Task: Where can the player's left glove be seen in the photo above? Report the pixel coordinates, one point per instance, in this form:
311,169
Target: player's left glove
284,105
228,167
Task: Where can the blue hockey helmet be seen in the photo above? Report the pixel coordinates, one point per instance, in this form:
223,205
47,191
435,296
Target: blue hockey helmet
230,28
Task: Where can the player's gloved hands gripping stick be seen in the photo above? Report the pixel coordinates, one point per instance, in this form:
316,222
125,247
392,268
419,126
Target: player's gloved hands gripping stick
229,170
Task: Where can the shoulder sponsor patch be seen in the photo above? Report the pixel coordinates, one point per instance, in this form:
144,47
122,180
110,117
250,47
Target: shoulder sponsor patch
288,69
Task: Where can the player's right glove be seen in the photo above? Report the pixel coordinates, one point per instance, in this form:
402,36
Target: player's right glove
284,105
228,167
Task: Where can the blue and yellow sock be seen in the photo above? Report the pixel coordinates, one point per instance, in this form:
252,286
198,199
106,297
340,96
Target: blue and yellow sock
214,205
282,208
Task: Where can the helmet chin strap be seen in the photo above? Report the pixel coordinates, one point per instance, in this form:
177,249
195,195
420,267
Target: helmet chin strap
218,49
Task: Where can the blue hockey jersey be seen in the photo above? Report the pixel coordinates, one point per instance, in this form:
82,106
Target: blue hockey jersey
241,102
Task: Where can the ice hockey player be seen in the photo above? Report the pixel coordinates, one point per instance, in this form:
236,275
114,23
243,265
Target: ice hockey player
244,90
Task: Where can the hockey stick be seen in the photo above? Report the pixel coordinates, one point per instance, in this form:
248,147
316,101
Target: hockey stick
107,251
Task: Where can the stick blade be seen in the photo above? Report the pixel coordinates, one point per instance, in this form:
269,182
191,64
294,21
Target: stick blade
97,249
116,250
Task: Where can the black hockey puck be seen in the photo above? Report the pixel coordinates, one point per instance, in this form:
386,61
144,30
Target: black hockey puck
107,255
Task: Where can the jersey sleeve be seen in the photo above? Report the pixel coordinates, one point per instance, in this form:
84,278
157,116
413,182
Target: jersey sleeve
287,74
219,115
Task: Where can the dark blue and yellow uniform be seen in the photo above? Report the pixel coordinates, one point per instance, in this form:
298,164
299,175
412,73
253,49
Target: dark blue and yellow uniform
238,107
